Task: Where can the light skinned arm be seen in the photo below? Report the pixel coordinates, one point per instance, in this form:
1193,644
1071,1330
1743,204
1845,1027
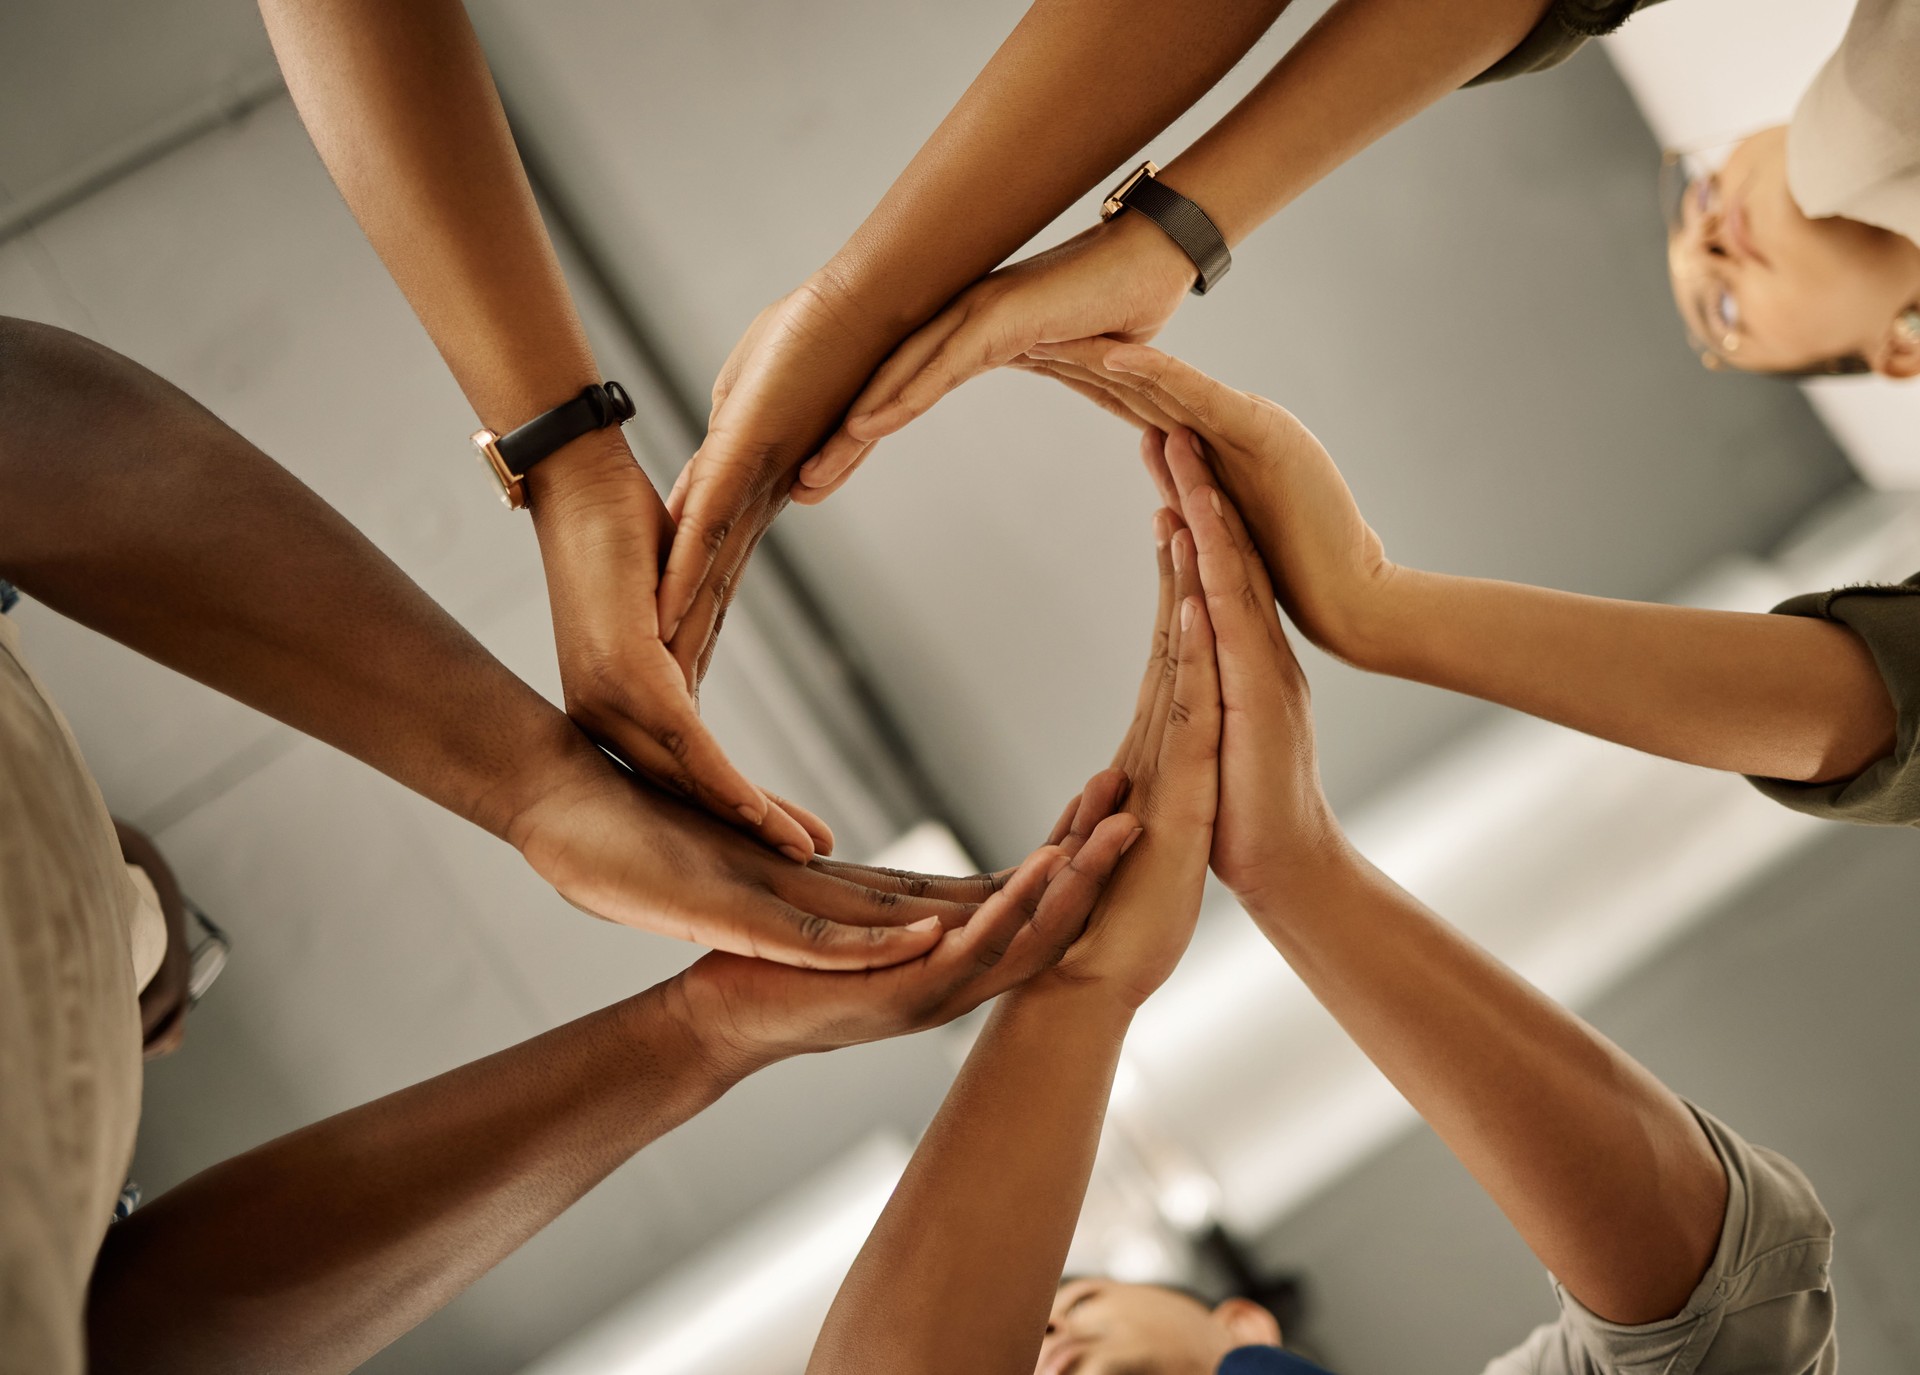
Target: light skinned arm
132,510
960,1270
316,1250
1076,89
1603,1171
1364,68
1774,696
402,108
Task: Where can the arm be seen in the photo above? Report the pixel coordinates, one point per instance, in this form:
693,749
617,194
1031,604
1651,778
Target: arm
1605,1174
314,1251
1775,696
403,110
129,508
1364,68
960,1270
1075,90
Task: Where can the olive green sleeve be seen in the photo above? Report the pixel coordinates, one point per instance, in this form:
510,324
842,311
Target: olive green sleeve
1565,26
1887,791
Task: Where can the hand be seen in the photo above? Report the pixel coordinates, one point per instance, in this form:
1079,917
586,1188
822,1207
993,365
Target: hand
783,386
748,1013
1171,755
602,532
1273,814
624,851
1331,569
1124,278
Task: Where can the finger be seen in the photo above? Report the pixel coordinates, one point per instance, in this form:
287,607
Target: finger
1191,741
1097,801
1082,384
1064,825
677,498
1080,359
846,462
1240,604
845,447
1214,407
976,344
792,934
695,639
1149,752
967,889
671,745
821,890
1125,758
1153,454
1197,406
717,497
1063,909
821,832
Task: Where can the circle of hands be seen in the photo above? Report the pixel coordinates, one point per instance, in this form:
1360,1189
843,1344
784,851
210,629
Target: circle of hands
1216,768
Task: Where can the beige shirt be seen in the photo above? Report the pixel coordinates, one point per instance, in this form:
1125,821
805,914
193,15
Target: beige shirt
1764,1307
71,921
1853,148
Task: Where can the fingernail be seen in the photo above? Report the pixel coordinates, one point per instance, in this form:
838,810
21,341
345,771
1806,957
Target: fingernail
1127,844
1186,613
752,816
1214,496
1179,552
1112,365
924,924
673,629
1058,863
795,853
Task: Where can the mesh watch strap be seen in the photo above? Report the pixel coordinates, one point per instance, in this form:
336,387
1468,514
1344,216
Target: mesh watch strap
1187,225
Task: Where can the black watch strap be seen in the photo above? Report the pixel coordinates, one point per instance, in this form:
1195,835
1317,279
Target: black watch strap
598,406
1184,222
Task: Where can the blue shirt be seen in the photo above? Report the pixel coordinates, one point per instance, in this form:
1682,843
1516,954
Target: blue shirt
1266,1360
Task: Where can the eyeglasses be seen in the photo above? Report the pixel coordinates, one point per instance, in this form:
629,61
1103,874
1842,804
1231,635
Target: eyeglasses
209,957
1690,197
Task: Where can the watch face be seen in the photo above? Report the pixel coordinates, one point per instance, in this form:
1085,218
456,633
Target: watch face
512,491
1117,201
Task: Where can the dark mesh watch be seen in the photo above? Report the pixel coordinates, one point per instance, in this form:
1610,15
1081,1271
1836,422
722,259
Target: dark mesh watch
1183,221
509,456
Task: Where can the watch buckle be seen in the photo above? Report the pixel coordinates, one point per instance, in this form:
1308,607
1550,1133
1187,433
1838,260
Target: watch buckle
1116,200
513,491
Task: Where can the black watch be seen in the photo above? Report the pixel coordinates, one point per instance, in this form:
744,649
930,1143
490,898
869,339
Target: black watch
1184,222
509,456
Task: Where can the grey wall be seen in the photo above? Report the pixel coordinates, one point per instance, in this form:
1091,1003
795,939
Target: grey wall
1793,1015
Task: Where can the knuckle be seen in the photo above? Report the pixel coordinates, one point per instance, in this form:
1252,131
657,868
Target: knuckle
814,930
714,536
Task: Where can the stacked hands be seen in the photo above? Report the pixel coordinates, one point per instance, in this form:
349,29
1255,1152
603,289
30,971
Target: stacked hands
1217,765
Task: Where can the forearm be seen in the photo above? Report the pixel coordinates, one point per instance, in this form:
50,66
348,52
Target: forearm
402,108
961,1267
1364,68
1076,90
1775,696
1601,1169
128,507
316,1250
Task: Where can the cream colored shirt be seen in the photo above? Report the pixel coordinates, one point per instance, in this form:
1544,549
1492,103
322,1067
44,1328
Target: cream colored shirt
73,924
1853,148
1764,1307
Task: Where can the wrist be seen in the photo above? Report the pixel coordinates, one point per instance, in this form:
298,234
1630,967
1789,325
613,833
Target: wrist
1308,878
722,1059
660,1021
1148,249
576,473
1095,1003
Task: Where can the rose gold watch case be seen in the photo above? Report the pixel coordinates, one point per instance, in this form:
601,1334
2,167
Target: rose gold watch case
1116,201
513,492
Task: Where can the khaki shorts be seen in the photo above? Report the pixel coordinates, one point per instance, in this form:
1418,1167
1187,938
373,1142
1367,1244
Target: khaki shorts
71,921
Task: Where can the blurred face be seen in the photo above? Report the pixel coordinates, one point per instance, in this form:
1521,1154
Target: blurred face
1765,288
1100,1327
